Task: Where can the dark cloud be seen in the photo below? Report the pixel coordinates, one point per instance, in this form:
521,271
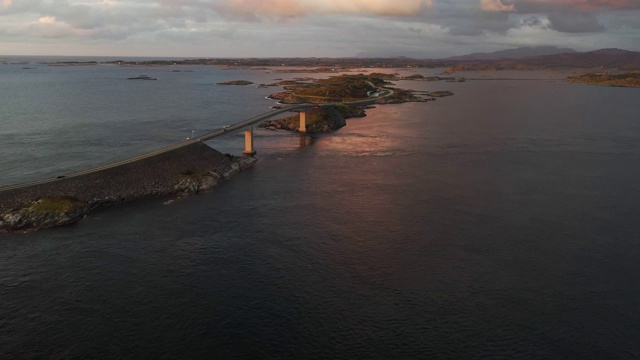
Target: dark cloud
303,27
531,21
546,6
578,22
468,19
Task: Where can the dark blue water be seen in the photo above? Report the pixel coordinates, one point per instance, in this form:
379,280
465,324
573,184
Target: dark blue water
61,119
498,223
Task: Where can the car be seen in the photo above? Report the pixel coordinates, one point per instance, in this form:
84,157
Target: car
226,128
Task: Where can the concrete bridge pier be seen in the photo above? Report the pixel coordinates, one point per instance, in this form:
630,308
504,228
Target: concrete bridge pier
303,121
248,143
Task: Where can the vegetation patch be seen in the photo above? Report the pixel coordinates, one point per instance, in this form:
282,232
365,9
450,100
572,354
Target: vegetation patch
56,205
342,88
350,111
400,96
44,213
631,79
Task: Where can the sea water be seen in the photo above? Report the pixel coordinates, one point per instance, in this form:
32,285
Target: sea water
497,223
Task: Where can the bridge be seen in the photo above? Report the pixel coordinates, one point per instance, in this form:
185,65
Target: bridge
246,124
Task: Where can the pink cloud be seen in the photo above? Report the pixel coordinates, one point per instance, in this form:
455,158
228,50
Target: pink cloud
296,8
495,5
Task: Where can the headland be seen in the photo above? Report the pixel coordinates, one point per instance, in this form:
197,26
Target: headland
65,200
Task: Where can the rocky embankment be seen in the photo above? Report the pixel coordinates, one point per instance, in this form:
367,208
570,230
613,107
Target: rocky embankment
190,169
343,88
318,120
44,213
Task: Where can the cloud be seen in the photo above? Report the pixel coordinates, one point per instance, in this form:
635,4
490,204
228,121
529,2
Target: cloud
590,4
575,22
318,27
47,20
528,6
495,5
464,18
251,9
531,22
566,16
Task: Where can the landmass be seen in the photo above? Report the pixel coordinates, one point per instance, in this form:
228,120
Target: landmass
318,120
339,89
142,77
559,59
66,200
631,79
44,213
235,83
343,88
190,169
315,70
440,93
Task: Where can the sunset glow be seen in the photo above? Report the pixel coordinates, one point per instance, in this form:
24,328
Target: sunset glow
273,28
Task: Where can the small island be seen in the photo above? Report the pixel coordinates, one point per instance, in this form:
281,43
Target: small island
45,212
440,93
142,77
318,120
235,83
339,89
343,88
631,79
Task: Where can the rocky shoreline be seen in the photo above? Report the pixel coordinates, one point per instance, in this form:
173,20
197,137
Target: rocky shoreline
196,167
318,120
343,88
189,170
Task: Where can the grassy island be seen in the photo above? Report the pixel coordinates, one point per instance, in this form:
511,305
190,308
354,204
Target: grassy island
334,89
631,79
44,213
235,82
343,88
320,120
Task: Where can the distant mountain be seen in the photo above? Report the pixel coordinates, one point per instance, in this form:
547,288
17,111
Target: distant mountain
605,58
395,54
611,51
518,53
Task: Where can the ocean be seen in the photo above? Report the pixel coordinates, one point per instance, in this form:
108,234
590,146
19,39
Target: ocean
500,222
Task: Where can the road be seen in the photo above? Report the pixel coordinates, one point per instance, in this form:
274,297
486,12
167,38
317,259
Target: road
256,119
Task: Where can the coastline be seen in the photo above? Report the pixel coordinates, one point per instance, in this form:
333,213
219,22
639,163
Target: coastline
183,169
190,169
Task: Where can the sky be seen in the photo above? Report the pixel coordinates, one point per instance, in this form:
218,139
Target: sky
311,28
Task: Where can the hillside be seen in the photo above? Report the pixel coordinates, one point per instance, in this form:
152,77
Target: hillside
518,53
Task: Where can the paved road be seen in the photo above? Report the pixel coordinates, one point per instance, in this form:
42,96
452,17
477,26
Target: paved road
229,129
